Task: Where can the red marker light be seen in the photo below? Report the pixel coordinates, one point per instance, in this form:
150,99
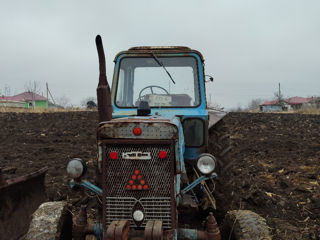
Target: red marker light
137,131
162,154
137,181
113,155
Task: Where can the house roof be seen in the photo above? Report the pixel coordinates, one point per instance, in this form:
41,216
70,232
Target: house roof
290,101
274,102
25,96
297,100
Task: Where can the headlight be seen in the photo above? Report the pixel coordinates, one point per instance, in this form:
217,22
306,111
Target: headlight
138,215
76,168
206,163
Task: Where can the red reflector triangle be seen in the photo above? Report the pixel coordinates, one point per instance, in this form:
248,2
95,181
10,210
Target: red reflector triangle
137,182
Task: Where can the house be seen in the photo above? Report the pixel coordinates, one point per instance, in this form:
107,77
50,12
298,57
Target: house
289,104
271,106
297,102
24,100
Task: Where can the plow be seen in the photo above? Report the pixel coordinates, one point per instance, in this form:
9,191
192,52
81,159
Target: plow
19,198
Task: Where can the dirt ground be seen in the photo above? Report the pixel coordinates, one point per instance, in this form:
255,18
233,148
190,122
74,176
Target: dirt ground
275,172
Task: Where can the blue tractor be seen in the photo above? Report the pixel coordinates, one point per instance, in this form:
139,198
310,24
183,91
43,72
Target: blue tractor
154,171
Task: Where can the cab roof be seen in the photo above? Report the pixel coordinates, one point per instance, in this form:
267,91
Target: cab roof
140,50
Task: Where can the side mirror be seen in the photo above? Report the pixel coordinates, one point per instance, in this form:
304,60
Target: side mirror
210,78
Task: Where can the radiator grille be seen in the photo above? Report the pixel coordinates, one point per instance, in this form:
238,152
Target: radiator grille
154,202
153,209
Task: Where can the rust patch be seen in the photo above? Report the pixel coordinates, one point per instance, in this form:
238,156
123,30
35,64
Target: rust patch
24,178
150,129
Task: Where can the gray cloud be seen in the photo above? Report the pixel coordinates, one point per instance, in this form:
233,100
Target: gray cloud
249,45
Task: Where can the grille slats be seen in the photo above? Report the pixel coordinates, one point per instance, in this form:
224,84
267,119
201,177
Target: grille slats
154,202
122,208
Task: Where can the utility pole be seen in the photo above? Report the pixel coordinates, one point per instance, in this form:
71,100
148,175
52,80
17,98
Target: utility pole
47,89
48,92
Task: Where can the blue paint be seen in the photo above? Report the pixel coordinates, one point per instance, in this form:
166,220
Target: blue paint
98,231
87,185
170,113
181,145
271,108
197,182
184,233
163,111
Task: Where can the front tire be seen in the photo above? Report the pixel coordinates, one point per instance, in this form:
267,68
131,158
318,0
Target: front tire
245,225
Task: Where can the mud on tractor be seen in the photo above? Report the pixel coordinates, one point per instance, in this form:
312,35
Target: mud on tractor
154,173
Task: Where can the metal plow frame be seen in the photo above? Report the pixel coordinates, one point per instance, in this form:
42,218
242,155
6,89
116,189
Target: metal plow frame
19,198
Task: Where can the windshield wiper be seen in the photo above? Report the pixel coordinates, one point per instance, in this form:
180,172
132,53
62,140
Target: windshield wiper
161,64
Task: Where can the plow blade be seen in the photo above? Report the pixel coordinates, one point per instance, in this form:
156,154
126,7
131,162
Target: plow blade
215,116
19,198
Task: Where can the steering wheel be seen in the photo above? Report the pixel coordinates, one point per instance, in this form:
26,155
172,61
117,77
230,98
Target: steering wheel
152,86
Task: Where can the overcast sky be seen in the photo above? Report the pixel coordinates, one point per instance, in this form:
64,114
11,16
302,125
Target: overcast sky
249,45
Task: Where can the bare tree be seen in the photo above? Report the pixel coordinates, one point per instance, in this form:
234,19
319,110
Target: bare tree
278,96
32,86
64,101
239,108
86,100
6,91
254,104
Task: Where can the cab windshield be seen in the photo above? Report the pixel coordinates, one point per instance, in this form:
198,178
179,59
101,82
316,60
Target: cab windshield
161,81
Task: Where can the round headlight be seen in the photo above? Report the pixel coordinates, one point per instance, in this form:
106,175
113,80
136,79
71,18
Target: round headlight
206,163
138,215
76,168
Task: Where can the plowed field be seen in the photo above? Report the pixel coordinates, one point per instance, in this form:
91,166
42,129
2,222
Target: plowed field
275,171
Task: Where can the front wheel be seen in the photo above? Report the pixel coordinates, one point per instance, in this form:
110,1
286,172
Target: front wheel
245,225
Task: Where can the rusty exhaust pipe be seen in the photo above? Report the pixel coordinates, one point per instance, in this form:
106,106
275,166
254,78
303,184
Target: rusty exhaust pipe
103,90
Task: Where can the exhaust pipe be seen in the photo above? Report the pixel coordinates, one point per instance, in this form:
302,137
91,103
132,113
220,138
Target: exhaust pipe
103,90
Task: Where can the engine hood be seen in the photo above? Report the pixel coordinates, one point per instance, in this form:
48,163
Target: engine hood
151,128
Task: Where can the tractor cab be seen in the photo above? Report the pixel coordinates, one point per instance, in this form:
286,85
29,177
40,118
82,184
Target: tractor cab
163,82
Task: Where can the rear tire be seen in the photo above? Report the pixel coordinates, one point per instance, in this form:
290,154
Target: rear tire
219,145
245,225
51,221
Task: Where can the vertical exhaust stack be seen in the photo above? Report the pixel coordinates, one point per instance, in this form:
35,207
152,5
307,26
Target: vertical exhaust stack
103,90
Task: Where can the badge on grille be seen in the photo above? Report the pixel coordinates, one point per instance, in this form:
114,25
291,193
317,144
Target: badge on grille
136,155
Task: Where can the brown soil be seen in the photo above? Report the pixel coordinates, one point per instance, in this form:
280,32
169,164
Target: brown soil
276,172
